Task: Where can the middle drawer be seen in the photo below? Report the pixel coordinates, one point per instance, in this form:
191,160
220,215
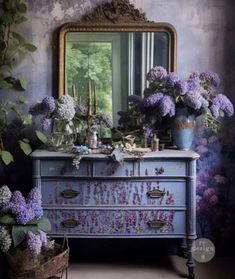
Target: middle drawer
113,192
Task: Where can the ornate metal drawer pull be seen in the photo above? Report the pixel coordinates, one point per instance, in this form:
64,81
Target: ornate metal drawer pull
156,224
69,193
156,193
159,170
70,223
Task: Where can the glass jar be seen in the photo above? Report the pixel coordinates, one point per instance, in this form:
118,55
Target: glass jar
63,133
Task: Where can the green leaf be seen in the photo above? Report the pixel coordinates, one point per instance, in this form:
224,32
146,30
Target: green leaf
26,140
25,147
7,219
22,8
19,19
6,157
21,84
23,100
30,47
19,232
4,84
18,235
18,37
44,224
26,119
41,136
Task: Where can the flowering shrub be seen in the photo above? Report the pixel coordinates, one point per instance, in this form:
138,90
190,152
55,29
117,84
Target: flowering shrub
167,92
21,223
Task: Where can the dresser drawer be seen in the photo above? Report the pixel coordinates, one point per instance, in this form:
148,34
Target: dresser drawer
64,168
163,168
112,168
116,222
114,192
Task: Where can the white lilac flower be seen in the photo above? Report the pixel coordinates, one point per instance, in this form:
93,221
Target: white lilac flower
67,100
5,195
34,243
5,239
65,111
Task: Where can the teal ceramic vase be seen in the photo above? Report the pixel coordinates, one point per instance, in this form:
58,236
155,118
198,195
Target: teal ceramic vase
183,129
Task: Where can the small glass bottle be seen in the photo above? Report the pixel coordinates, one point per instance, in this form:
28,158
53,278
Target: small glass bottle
155,143
93,140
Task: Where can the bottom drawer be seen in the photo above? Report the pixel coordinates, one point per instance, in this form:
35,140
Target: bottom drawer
116,222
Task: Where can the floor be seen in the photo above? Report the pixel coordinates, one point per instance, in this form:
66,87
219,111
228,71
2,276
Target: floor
171,267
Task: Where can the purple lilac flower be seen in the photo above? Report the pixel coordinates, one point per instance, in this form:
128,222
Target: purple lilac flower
209,193
135,99
167,106
101,118
171,79
210,77
193,84
192,100
37,210
25,215
148,131
34,196
18,199
181,86
221,102
156,73
34,243
81,109
36,109
48,104
213,200
194,75
46,123
152,100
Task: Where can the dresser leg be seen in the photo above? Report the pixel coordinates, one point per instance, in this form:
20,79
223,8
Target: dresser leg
182,250
190,261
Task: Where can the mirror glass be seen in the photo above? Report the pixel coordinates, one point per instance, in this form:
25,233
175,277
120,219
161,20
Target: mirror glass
106,67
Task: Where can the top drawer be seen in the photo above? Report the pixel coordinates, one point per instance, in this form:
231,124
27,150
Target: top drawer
64,168
110,168
163,168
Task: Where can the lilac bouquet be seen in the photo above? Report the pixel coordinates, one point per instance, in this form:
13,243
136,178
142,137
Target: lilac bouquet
22,224
167,93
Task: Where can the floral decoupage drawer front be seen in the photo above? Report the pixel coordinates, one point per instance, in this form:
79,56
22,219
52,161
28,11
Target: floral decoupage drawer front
163,168
114,192
116,222
64,168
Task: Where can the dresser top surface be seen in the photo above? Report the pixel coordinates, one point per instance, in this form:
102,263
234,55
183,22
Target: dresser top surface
165,154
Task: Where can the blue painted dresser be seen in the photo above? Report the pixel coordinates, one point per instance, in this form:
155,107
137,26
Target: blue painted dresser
148,196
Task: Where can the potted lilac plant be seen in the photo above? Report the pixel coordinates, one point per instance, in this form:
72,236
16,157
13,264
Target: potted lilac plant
23,228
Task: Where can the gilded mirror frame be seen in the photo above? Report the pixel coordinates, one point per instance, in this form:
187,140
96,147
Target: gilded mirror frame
115,16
